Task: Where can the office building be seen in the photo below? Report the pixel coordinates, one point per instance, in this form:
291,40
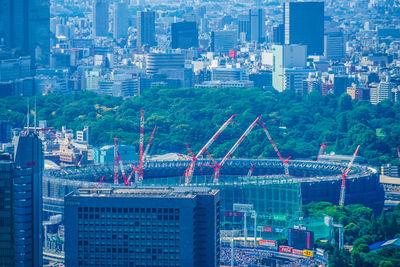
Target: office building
257,25
381,92
156,62
340,84
293,80
121,17
146,28
21,203
286,57
223,41
334,46
228,74
100,18
5,132
151,226
25,26
184,35
278,34
304,24
243,27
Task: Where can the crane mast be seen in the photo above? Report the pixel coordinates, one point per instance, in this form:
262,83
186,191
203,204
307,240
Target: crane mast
115,161
344,176
140,176
285,162
233,149
321,150
398,152
189,172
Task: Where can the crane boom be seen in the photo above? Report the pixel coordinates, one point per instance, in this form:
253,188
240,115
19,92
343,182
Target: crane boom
115,161
344,176
235,146
285,162
398,152
140,177
146,151
189,172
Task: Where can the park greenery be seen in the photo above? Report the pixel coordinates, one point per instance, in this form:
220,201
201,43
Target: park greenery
362,228
297,124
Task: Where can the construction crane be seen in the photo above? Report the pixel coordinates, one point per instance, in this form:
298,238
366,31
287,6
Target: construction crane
139,179
250,170
344,176
77,164
146,151
398,152
217,166
189,172
285,162
321,150
118,165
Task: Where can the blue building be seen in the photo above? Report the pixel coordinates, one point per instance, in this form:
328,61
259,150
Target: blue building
142,226
105,154
21,204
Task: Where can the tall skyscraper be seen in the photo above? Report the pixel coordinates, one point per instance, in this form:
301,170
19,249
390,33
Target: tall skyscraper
142,226
25,26
100,18
21,204
184,35
146,28
304,24
334,46
278,34
257,25
244,27
120,20
286,57
223,41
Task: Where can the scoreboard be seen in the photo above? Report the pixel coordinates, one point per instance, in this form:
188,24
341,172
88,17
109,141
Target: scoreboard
300,239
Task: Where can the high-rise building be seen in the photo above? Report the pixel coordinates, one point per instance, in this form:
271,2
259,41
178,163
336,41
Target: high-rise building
146,28
223,41
151,226
257,25
334,46
25,26
120,20
304,24
184,35
286,57
381,92
278,34
21,203
100,18
244,27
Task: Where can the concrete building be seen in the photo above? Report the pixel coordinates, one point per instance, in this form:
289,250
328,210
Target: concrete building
21,203
381,92
146,28
293,79
184,35
159,226
100,18
334,46
120,20
278,34
304,24
286,57
223,41
228,74
155,62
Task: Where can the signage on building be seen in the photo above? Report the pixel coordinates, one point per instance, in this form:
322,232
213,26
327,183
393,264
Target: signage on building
243,207
285,249
233,214
308,253
269,243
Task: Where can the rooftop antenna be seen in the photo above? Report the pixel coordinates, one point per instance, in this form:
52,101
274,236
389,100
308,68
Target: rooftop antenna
35,118
27,116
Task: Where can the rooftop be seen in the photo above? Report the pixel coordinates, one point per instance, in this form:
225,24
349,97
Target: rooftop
144,192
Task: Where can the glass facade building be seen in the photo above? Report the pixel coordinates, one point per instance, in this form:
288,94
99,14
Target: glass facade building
144,226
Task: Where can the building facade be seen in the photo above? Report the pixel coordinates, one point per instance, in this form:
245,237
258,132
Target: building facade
100,18
146,28
157,226
304,24
120,20
184,35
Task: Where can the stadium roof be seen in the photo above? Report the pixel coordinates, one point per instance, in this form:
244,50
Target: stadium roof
395,242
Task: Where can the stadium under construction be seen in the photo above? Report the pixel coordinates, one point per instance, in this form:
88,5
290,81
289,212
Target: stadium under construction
277,198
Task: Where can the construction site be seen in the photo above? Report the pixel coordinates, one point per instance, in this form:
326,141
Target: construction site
276,189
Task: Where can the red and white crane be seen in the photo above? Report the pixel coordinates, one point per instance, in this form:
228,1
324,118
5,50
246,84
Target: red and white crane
217,166
118,165
398,152
139,179
321,150
250,173
190,170
344,176
146,151
285,162
70,146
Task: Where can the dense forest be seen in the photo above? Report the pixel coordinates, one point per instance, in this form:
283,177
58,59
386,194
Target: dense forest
361,229
297,124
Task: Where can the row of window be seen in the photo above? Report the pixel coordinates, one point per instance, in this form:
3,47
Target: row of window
130,210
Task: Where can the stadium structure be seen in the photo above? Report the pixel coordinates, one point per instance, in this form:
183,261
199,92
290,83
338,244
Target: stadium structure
277,197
